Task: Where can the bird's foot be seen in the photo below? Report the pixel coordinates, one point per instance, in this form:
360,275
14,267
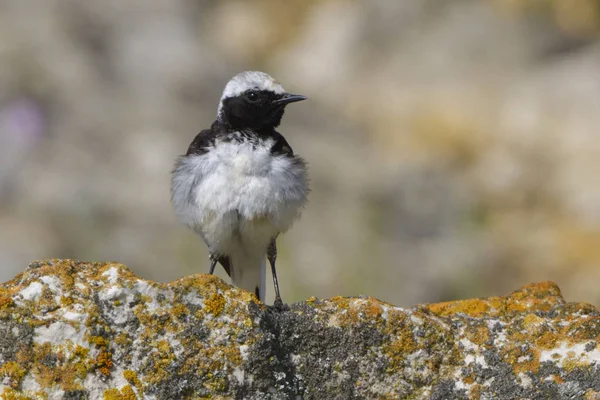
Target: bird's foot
213,263
280,306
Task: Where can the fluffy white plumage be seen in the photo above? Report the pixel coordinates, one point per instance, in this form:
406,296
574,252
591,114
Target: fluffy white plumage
264,192
238,196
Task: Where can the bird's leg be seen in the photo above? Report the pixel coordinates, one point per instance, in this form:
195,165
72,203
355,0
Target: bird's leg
272,257
213,262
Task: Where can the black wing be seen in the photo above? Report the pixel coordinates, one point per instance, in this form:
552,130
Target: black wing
201,142
281,146
224,261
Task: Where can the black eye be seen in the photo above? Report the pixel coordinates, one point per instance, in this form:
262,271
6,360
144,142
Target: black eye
252,96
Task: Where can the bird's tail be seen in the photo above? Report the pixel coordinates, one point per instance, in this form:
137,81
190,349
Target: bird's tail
248,271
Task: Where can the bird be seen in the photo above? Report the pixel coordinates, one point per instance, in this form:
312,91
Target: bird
240,185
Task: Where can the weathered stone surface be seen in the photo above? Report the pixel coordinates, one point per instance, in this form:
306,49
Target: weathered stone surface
75,330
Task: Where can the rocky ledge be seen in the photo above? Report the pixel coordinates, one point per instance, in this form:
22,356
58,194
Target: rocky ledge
77,330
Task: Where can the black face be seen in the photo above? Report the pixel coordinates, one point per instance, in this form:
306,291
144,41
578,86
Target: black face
257,109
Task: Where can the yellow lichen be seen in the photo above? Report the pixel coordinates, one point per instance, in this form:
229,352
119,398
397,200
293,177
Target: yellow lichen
145,298
14,372
547,340
179,311
399,349
164,347
98,341
160,359
199,314
582,329
233,355
65,366
477,334
591,394
126,393
216,385
532,322
66,301
572,361
122,339
133,379
10,394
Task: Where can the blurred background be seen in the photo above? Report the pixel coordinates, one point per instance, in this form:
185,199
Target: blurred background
454,147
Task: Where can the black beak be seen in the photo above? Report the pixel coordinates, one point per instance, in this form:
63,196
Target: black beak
288,98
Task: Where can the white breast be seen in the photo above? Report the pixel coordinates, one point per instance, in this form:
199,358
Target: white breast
239,188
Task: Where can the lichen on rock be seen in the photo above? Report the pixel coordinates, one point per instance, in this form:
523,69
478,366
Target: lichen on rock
76,330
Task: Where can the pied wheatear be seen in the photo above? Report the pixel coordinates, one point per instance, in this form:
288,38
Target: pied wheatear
240,184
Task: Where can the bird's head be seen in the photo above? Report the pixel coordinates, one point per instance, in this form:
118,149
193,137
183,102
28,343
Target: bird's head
254,100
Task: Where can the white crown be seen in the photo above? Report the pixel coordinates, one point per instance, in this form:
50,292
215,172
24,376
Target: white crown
248,80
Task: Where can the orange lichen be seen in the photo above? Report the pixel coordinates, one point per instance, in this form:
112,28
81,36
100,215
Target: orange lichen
521,359
215,304
472,307
539,296
6,301
103,362
475,392
355,311
372,309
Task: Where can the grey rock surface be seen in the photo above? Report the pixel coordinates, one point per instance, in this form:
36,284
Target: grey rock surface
77,330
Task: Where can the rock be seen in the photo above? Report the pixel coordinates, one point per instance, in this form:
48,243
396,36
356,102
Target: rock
77,330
